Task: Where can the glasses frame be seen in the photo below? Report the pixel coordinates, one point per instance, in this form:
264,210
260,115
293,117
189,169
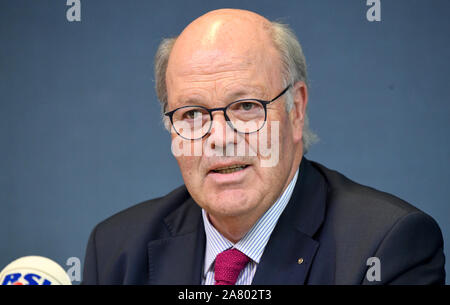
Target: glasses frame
224,110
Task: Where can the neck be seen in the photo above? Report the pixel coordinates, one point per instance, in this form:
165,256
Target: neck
233,228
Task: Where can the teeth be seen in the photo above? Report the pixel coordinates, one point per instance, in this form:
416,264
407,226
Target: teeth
229,169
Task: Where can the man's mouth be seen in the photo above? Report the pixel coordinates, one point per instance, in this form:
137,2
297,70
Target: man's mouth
229,169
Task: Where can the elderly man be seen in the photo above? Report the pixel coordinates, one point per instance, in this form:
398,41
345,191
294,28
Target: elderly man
253,209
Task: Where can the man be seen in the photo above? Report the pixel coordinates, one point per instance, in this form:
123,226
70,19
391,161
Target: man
253,210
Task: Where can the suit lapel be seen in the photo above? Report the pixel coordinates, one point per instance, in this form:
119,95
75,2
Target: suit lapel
178,259
286,263
291,249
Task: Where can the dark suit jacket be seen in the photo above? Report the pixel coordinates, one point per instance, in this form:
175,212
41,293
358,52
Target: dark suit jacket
331,222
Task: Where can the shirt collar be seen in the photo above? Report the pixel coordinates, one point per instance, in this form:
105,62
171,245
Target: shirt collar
255,240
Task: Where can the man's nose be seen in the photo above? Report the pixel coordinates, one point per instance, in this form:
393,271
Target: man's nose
221,136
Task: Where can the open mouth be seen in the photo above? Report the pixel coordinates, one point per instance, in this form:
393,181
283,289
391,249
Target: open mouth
229,169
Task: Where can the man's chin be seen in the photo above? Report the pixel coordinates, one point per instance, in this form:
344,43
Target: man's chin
227,212
229,205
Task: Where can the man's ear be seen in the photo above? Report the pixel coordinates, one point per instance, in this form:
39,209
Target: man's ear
298,111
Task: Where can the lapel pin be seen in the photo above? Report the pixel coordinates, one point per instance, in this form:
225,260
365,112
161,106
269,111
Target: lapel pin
300,260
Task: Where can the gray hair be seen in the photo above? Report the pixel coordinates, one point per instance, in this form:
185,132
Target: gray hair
294,70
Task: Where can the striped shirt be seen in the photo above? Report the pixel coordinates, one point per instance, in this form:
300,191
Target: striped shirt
252,244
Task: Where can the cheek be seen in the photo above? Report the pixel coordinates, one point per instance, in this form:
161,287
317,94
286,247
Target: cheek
188,165
187,158
189,168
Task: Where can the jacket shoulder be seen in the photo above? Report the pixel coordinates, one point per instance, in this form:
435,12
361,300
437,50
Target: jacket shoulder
144,215
363,199
365,222
115,253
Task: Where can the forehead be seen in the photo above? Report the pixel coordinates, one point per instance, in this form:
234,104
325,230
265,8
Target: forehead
209,62
222,53
223,71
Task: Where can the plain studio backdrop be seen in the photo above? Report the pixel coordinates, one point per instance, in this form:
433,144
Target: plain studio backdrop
80,130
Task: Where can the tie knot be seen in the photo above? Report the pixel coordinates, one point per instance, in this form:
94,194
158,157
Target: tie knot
228,265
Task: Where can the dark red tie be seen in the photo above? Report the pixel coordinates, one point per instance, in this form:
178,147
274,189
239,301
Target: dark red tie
228,265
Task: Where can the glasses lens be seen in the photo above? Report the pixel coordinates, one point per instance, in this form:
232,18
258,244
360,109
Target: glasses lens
191,122
246,116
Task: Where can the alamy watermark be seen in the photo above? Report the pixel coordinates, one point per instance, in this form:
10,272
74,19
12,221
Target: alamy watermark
74,270
373,273
374,12
74,11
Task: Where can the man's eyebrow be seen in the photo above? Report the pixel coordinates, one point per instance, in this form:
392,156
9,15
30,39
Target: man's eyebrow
191,102
234,95
254,93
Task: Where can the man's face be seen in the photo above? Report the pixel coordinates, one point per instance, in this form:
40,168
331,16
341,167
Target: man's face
214,70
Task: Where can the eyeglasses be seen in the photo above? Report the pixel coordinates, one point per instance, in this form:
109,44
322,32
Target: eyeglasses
243,116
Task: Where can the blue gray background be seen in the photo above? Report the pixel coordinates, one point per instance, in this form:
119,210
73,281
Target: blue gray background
80,130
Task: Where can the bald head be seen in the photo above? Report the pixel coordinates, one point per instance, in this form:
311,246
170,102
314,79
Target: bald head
213,41
225,43
225,28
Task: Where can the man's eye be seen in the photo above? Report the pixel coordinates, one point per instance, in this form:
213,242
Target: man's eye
192,114
247,106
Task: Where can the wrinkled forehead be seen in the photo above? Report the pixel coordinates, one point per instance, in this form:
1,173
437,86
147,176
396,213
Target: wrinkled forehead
216,61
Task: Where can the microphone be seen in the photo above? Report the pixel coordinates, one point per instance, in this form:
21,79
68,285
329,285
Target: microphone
34,270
